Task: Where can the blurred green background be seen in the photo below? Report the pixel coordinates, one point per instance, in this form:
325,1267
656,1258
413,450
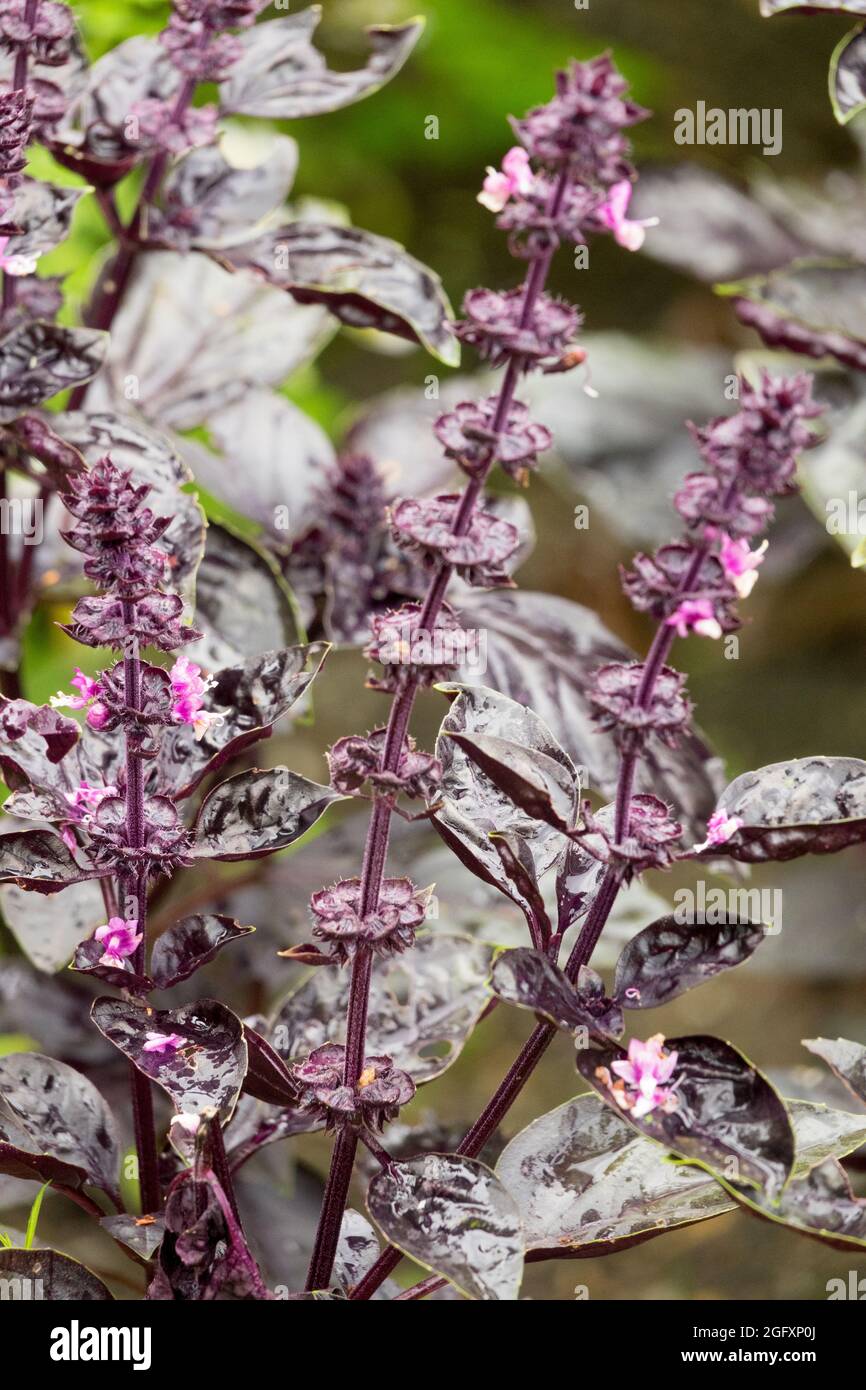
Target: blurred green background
798,685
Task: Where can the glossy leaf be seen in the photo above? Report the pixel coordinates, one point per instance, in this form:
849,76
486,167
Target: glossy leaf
531,981
814,306
44,211
540,786
257,813
37,360
204,1254
267,1077
454,1217
728,1117
54,1124
587,1185
210,201
805,806
243,605
252,696
846,1059
142,1235
578,875
848,76
366,281
48,931
515,856
190,943
205,1070
88,961
670,957
57,1277
39,861
281,76
423,1006
357,1250
541,652
821,1205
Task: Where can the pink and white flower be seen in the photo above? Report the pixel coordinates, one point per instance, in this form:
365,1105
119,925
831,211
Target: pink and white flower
15,265
644,1076
187,1122
515,176
694,615
720,828
740,563
612,214
86,799
120,939
89,689
162,1042
187,692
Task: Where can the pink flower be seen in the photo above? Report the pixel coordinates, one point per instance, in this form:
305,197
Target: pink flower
694,615
86,798
120,938
515,176
15,265
88,687
645,1074
740,563
188,690
187,1122
720,828
98,715
612,215
163,1042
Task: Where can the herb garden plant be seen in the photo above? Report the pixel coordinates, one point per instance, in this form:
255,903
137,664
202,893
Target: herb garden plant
563,771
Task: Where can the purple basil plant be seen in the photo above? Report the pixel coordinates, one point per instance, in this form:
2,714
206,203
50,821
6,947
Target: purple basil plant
573,771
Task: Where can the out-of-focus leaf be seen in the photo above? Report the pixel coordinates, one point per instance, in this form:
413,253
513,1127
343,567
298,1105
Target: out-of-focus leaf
243,605
54,1124
805,806
190,339
771,7
210,201
587,1185
846,1059
669,957
257,813
153,460
48,932
141,1235
815,307
541,651
206,1069
848,76
55,1276
39,359
531,981
423,1006
727,1115
252,697
44,212
282,76
832,471
366,281
189,944
708,226
268,461
455,1217
39,861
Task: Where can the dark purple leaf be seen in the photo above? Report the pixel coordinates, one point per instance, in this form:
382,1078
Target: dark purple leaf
152,459
39,359
48,930
846,1059
578,875
821,1205
53,1276
141,1234
453,1216
848,76
727,1115
670,957
211,202
258,813
531,981
423,1006
542,787
58,732
88,961
814,307
366,281
59,458
268,1078
243,604
206,1069
251,697
805,806
708,226
54,1124
542,651
40,862
282,76
357,1251
204,1254
189,944
43,211
516,859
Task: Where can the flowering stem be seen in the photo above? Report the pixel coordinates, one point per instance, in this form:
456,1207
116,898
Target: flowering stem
377,836
19,84
333,1206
